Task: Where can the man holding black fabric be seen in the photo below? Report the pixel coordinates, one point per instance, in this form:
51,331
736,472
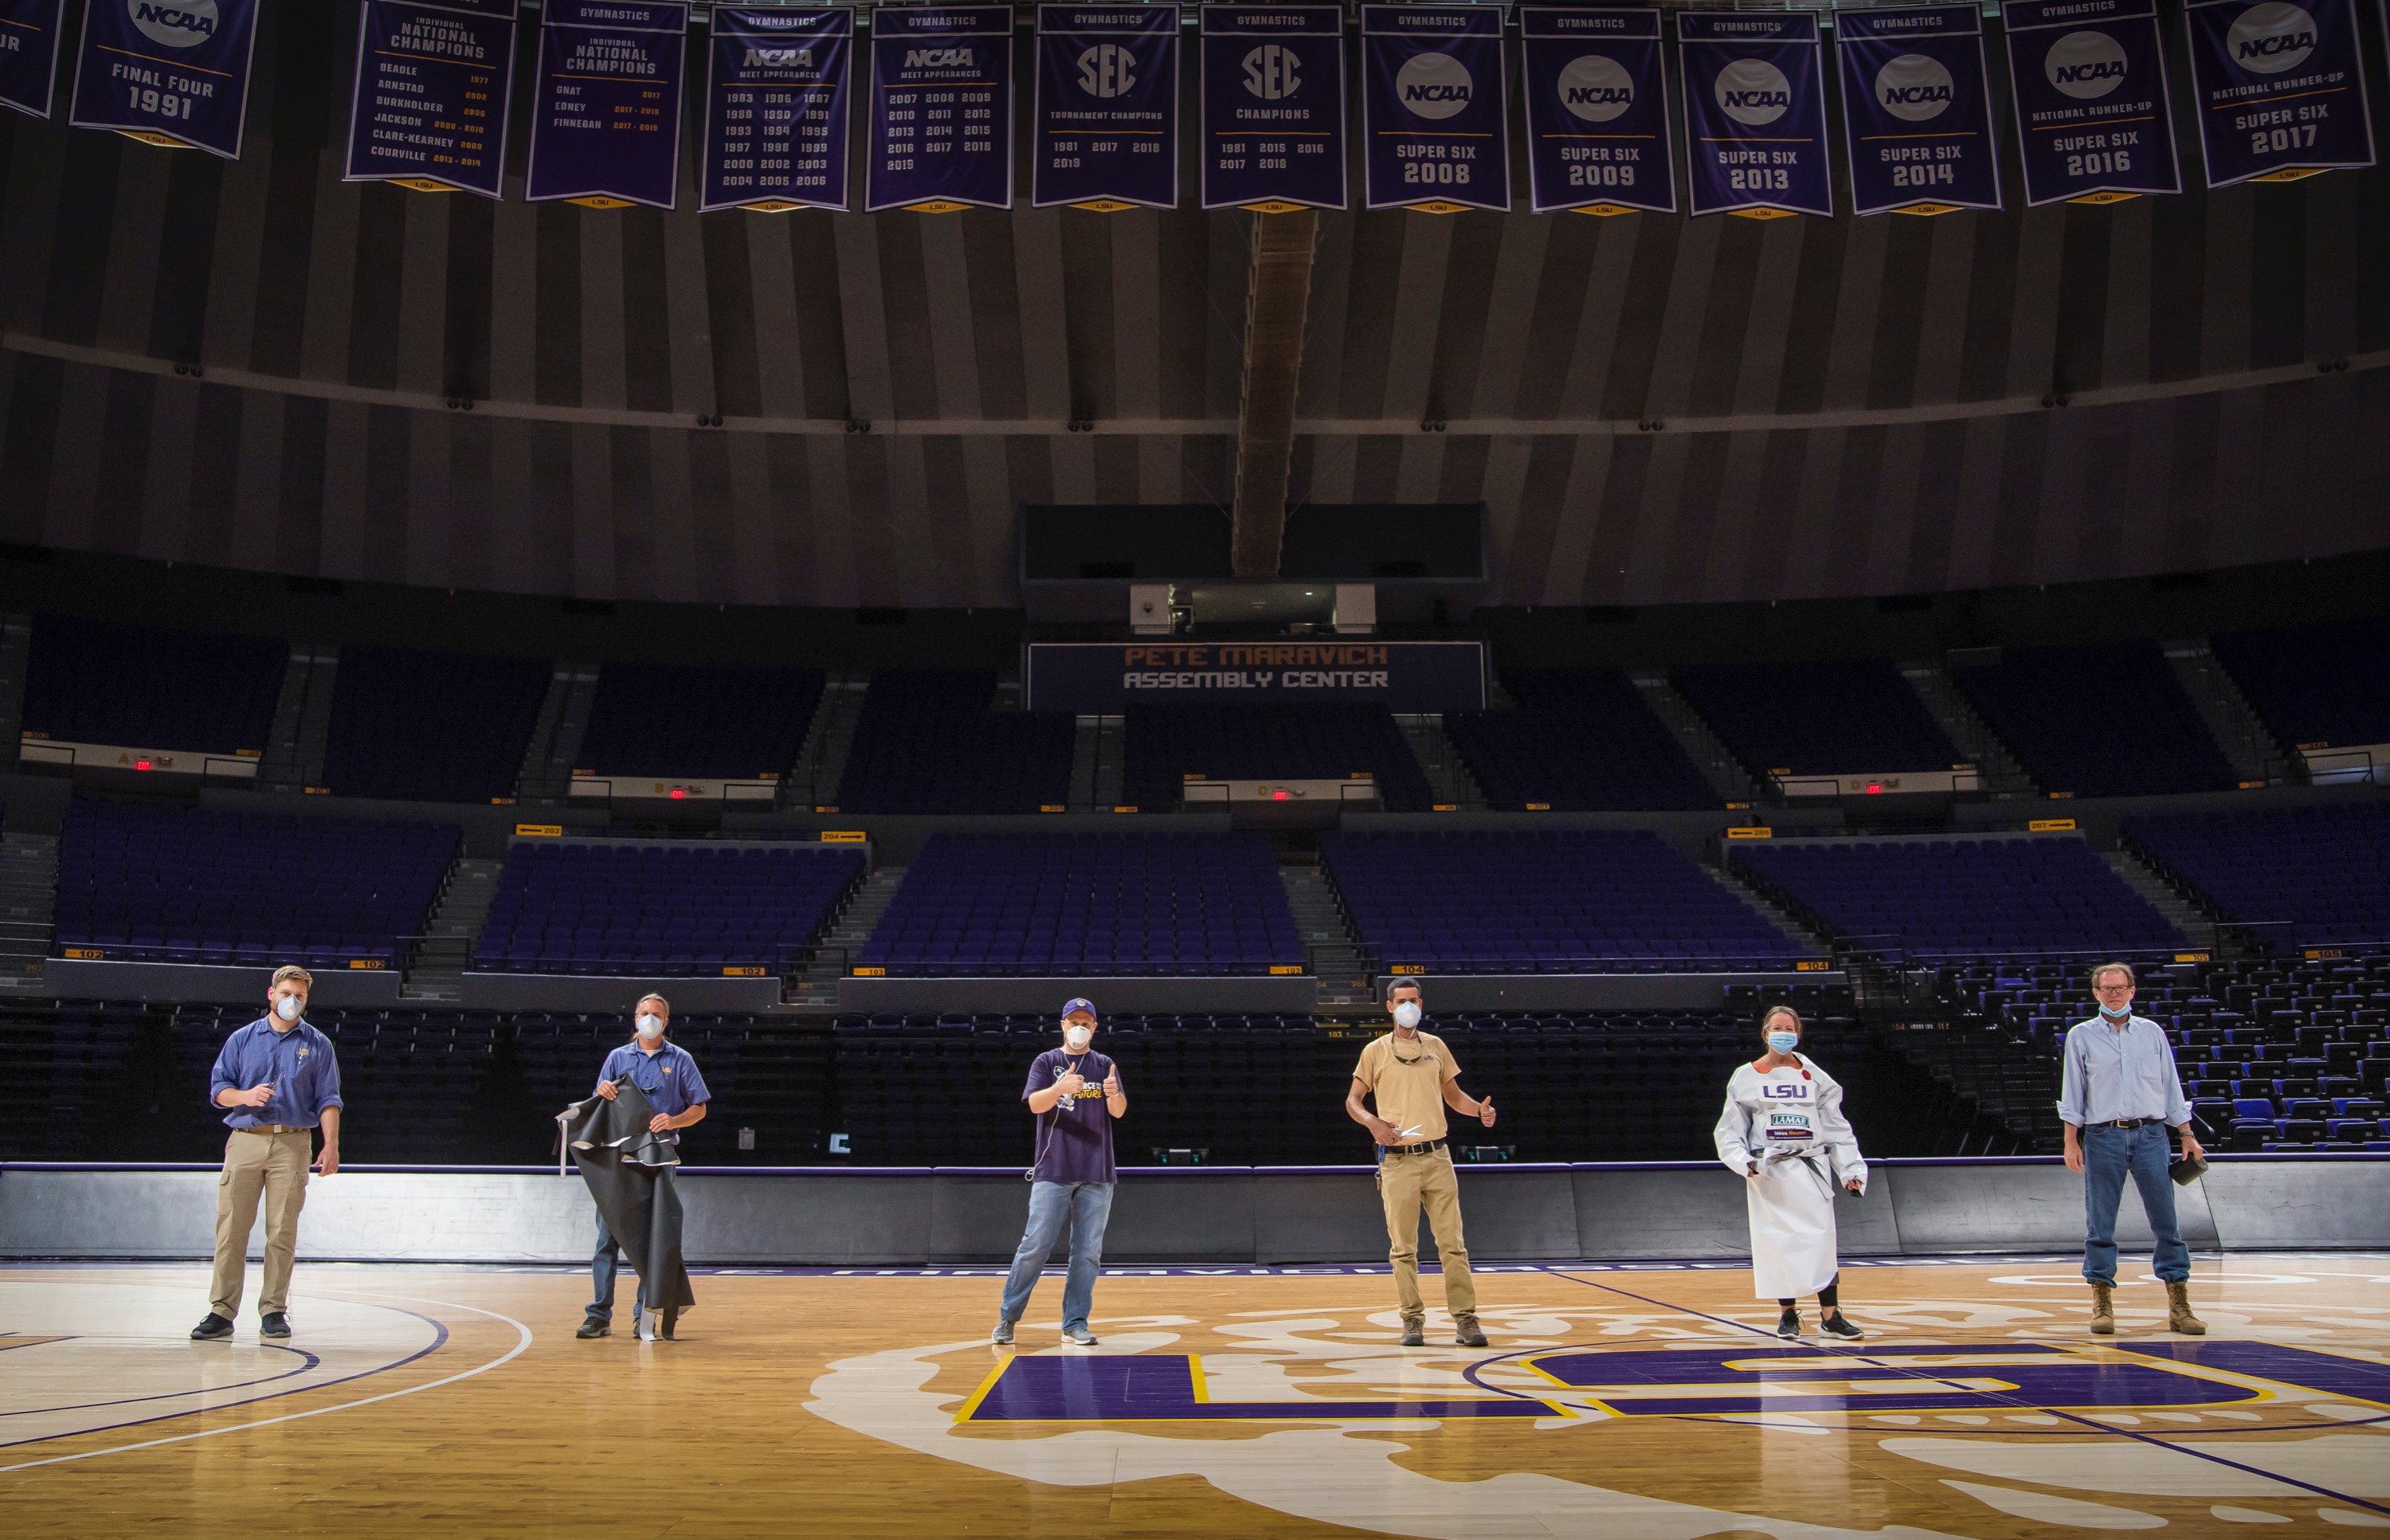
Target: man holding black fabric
667,1076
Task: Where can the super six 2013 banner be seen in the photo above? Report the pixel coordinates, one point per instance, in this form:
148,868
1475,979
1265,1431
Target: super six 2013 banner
775,110
2280,88
1435,110
432,83
1596,109
1917,110
605,122
2088,79
29,53
940,109
1107,108
1273,129
1755,113
171,71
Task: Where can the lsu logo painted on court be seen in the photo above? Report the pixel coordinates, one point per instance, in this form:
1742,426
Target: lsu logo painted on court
1595,88
175,23
2272,38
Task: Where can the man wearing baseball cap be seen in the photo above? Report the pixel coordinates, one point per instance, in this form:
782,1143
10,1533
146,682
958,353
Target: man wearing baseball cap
1072,1176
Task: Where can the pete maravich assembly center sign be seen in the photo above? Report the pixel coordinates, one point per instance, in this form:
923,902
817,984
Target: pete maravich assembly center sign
1108,676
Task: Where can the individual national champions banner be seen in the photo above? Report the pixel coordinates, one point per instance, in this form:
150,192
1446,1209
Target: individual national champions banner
432,81
2281,88
605,122
775,110
1106,134
1597,110
1435,113
940,109
1917,109
1755,113
2088,79
171,71
29,53
1273,108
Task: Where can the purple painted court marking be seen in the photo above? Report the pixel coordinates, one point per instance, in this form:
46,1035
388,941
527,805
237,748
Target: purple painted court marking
1161,1388
169,1395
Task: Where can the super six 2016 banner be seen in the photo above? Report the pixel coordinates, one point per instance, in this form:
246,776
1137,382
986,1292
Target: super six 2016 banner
1596,109
432,83
775,110
940,109
1435,111
1755,113
29,53
2088,78
1917,110
1273,129
605,124
171,71
1107,108
2280,89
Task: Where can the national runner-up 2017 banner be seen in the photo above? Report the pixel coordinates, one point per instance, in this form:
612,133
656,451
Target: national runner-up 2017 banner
29,53
775,110
430,107
940,109
1272,127
1755,113
1917,109
1597,110
2281,88
1435,108
605,122
171,71
2088,81
1105,134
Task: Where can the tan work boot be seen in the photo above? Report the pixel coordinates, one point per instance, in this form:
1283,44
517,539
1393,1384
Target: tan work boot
2178,1316
2103,1310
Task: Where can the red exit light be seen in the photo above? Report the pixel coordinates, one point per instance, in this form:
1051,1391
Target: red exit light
678,792
1278,796
143,764
1875,789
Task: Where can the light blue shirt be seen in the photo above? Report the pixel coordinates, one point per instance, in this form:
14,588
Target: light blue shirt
2116,1072
297,1061
667,1077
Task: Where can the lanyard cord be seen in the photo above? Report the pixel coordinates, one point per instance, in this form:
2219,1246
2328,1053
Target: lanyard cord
1051,1118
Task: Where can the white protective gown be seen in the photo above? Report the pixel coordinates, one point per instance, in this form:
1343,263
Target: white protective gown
1790,1119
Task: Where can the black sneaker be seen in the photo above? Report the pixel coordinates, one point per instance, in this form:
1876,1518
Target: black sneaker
275,1324
592,1327
1466,1331
1790,1325
215,1328
1414,1334
1839,1324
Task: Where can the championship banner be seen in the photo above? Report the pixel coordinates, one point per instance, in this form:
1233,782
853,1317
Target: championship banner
605,122
1105,134
1273,108
940,109
1755,113
1597,110
2088,79
1917,110
1104,677
28,54
1435,108
172,72
776,109
428,110
2281,89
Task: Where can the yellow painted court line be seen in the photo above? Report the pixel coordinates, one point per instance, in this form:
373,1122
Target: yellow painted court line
981,1395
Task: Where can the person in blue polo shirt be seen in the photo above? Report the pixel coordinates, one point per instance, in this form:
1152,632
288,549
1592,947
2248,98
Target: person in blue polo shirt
667,1076
1074,1175
278,1080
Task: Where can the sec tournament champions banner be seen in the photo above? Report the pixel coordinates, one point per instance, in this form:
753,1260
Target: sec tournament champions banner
1755,113
1917,110
1597,110
605,126
1105,134
29,53
940,109
2088,79
1273,108
775,110
170,71
1434,108
2282,90
1100,678
429,110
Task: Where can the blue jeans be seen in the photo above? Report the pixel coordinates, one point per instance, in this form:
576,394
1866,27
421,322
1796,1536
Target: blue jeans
601,1272
2108,1154
1088,1206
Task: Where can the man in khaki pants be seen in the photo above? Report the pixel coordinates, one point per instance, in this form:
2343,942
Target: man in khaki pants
1414,1078
278,1079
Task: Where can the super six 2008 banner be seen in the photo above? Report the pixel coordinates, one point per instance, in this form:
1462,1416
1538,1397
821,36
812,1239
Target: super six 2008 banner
1596,109
29,53
1435,113
171,71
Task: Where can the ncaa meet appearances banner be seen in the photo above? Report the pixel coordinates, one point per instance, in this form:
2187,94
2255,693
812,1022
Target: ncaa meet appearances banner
1273,125
1917,110
605,122
171,71
1102,677
1435,108
28,54
2088,79
775,110
940,109
2281,88
1107,108
1597,110
430,108
1755,113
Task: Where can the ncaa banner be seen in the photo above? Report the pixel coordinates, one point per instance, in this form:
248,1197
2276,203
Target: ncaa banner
1273,122
2094,122
1917,110
940,109
166,72
29,53
1597,110
1435,108
1755,113
432,81
2281,89
605,124
776,109
1107,108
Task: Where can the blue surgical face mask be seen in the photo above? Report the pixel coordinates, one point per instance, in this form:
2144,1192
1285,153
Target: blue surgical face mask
1783,1042
1406,1014
286,1008
2115,1013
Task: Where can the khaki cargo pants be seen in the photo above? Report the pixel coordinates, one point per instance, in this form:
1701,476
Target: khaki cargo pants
276,1165
1409,1183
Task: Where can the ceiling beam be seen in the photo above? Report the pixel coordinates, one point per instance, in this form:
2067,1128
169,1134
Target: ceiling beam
1277,299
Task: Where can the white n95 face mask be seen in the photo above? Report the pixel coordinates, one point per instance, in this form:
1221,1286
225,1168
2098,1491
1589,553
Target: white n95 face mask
1406,1014
651,1025
286,1008
1078,1038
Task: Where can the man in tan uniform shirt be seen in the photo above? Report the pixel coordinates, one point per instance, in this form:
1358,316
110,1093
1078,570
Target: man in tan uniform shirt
1412,1075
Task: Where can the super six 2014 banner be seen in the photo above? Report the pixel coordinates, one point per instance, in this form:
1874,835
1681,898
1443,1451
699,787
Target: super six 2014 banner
2088,79
171,71
1272,127
1107,108
605,124
775,110
1435,118
2280,88
29,53
1597,110
940,109
1755,113
432,81
1917,110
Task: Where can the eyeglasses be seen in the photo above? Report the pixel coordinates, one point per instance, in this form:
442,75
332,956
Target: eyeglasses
2112,989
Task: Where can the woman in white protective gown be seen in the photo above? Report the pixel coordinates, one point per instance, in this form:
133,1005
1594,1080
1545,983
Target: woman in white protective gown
1784,1133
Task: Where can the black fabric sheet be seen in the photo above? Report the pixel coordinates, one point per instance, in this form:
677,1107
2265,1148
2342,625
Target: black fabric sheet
629,1170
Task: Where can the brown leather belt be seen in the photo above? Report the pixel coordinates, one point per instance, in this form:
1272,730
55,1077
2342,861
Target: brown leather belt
1428,1148
271,1128
2126,1123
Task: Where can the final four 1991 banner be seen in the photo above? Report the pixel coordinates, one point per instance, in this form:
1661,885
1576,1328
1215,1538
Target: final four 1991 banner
29,53
1107,114
169,74
432,83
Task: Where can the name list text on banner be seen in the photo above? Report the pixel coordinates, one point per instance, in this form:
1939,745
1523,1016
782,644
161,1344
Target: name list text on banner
1917,110
432,83
605,122
776,109
169,74
29,53
2088,81
2280,88
1436,120
940,109
1273,125
1597,110
1105,134
1755,113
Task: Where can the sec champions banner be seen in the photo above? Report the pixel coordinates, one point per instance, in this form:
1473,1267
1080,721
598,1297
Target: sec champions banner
170,71
1917,110
2281,89
1755,113
2088,80
940,109
1107,108
1435,110
432,81
604,124
775,110
28,54
1597,110
1273,124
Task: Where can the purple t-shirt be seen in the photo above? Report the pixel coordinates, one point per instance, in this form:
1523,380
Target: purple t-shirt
1074,1140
